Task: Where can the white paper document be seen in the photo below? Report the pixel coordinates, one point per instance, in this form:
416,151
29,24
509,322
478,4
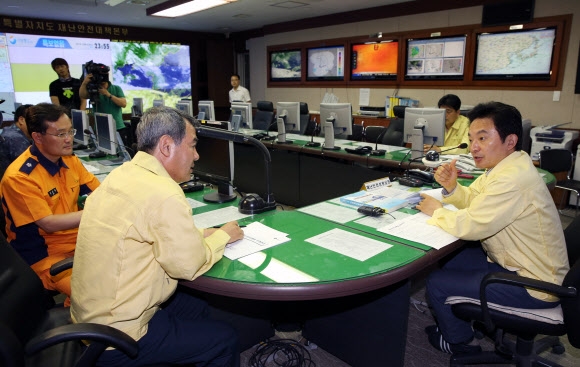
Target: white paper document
276,270
257,237
349,244
217,217
331,212
415,228
195,204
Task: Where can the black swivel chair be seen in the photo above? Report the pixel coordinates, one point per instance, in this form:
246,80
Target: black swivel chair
524,352
561,160
395,133
32,335
358,133
373,132
264,116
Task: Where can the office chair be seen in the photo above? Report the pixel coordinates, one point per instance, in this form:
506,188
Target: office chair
372,133
264,117
561,160
358,133
395,133
526,138
526,324
304,117
399,111
32,335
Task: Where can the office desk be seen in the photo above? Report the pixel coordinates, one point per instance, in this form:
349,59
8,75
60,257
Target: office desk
303,176
356,310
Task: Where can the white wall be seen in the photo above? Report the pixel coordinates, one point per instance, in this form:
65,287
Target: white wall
537,105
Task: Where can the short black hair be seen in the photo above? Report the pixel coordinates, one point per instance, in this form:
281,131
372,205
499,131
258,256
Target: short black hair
58,61
236,75
38,116
450,100
21,111
507,119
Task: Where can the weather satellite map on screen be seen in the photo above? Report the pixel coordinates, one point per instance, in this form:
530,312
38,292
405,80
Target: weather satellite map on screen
326,63
526,52
436,58
152,71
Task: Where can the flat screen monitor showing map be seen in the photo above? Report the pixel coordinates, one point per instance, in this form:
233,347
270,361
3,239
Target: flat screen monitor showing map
325,63
441,58
286,65
374,60
515,55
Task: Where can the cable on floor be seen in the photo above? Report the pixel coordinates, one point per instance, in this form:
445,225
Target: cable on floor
282,352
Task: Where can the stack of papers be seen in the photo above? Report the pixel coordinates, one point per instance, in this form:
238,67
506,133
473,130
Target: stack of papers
257,237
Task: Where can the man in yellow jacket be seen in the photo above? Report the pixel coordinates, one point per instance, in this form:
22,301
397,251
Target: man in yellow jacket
137,239
509,211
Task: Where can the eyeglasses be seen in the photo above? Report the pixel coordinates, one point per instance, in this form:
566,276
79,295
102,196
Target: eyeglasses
70,133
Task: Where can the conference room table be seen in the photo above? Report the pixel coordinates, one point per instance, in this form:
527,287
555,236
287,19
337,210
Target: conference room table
356,309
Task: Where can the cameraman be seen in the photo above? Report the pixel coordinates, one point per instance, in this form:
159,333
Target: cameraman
109,99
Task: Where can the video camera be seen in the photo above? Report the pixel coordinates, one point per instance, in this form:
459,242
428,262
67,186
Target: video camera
100,74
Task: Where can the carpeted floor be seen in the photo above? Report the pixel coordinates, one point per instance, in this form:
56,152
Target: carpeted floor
418,352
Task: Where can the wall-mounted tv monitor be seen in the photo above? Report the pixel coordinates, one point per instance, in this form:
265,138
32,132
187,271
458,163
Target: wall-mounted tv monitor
438,58
430,120
374,60
325,63
286,66
207,107
137,109
216,164
245,111
341,113
106,133
290,113
525,54
80,122
185,107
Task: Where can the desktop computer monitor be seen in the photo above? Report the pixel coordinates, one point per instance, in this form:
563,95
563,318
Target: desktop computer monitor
216,164
137,109
158,103
290,112
341,113
430,120
106,133
185,107
208,108
80,122
245,110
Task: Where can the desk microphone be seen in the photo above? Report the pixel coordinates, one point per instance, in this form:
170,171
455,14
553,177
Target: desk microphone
433,156
312,143
377,151
88,132
268,136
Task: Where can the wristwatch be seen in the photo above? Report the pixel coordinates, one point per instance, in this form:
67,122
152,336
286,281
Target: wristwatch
110,96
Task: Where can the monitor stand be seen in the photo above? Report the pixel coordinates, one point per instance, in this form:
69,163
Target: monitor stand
416,141
224,194
329,136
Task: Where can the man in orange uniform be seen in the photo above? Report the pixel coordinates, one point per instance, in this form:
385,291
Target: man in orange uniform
39,194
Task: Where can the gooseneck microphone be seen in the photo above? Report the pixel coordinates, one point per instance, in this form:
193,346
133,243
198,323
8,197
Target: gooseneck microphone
312,143
268,136
377,151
